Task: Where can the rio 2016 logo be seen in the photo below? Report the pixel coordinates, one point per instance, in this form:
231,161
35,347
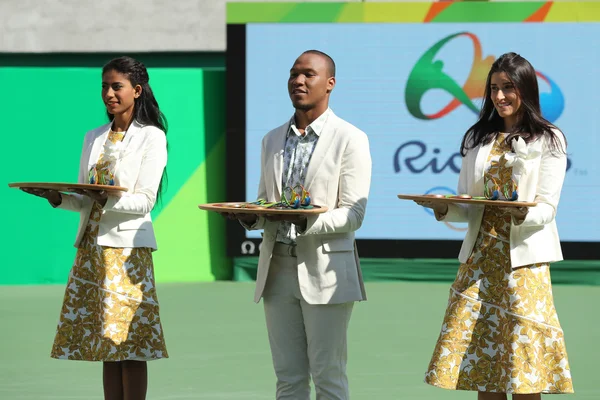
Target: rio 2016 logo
428,74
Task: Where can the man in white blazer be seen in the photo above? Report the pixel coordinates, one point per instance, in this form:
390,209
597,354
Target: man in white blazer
309,273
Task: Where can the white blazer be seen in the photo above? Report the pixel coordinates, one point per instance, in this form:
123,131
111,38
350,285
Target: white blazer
536,239
339,177
125,220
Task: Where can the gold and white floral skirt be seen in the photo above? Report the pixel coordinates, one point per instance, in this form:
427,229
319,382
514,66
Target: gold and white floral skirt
110,310
501,332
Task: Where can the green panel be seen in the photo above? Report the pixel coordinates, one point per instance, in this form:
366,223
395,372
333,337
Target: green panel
563,11
191,241
214,111
215,237
196,125
402,12
186,119
50,110
433,270
352,12
488,12
240,13
46,114
395,12
314,12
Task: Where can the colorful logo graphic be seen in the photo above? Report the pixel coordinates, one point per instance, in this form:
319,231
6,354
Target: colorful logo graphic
428,74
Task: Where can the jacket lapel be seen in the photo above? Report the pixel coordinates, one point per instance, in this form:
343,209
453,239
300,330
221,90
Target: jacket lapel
278,149
133,129
97,145
131,132
100,140
479,167
324,143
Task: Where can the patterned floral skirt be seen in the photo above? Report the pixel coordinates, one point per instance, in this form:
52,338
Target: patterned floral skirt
110,310
501,332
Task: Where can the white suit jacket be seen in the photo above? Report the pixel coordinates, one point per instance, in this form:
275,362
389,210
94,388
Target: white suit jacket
536,239
339,177
125,220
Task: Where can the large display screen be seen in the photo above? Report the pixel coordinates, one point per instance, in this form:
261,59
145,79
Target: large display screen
415,89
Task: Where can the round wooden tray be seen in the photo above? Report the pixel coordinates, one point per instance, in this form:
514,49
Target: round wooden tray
68,187
497,203
245,208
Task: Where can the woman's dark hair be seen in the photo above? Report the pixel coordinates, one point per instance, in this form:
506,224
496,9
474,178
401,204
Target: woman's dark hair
145,109
530,124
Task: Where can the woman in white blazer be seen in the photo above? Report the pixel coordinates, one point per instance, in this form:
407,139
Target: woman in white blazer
110,311
501,333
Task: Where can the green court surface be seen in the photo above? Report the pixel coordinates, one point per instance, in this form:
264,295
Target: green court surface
218,345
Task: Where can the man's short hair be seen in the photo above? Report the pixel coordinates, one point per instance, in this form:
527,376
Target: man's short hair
330,62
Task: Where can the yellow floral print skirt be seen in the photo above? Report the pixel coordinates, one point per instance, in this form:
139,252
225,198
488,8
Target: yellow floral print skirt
110,307
501,332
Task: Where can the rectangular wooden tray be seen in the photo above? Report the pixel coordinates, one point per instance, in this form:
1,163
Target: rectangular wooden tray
495,203
67,187
245,208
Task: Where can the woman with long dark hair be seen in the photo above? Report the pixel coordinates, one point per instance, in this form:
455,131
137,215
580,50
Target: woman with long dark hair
501,334
110,311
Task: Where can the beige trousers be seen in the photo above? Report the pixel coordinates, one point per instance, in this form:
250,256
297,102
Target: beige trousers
306,340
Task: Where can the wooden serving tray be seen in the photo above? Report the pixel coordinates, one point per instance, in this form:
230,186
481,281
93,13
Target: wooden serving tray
457,199
68,187
245,208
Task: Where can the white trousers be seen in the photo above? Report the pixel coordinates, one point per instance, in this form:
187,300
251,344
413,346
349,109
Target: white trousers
306,340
